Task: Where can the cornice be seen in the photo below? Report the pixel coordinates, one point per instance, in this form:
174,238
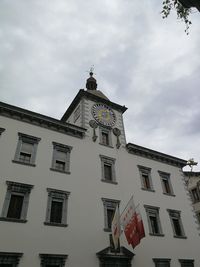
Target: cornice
40,120
85,94
191,174
155,155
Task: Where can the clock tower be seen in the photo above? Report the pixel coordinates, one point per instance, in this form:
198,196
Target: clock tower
102,118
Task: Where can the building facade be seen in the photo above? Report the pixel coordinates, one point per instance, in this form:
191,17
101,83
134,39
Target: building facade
60,182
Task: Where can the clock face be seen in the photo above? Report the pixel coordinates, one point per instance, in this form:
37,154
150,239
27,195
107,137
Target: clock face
103,114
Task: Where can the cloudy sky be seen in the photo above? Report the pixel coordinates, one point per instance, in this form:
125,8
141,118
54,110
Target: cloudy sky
141,61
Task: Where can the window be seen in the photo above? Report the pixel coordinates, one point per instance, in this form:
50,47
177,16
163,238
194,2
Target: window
53,260
186,263
105,136
162,262
77,113
56,207
61,158
108,169
153,220
9,259
109,210
166,183
16,202
177,226
26,149
195,195
145,176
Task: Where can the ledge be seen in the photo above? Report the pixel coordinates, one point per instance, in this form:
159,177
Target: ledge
106,145
109,182
149,190
151,234
181,237
55,224
55,170
12,220
170,195
23,163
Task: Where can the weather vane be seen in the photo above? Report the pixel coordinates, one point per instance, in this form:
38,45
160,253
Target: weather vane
191,163
91,71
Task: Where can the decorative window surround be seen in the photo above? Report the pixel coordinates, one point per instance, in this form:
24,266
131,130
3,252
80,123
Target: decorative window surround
10,258
177,226
15,205
166,183
108,169
109,209
16,202
186,263
57,260
105,137
153,219
61,158
1,130
159,262
26,149
146,180
57,216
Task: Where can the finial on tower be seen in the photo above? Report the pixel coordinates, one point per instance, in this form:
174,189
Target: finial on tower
91,83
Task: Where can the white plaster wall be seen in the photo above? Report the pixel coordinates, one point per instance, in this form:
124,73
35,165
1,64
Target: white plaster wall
84,236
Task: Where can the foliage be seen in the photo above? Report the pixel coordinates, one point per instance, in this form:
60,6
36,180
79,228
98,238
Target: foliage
182,12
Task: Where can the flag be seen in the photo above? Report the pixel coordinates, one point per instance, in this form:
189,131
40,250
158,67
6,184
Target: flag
115,227
132,224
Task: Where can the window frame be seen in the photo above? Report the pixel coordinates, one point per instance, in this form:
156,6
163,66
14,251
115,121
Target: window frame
24,138
166,176
195,196
147,171
53,259
159,261
20,189
185,262
108,132
176,214
11,258
111,205
152,211
63,197
57,147
108,161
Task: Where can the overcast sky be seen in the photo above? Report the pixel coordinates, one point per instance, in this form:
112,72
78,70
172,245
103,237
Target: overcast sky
141,61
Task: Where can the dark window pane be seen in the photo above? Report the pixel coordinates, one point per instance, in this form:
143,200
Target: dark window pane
105,138
154,224
110,214
6,265
177,227
56,211
15,206
25,157
195,195
108,172
166,186
60,165
146,182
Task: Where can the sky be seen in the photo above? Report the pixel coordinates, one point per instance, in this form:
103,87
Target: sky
140,60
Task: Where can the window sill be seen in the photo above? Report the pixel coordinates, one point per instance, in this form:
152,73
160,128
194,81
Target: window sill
156,234
23,163
168,194
181,237
13,220
106,145
55,224
108,181
107,230
148,189
55,170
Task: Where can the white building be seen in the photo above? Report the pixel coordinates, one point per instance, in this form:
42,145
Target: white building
60,181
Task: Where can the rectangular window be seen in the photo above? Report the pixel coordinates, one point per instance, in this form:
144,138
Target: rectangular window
105,136
16,202
186,263
9,259
166,183
177,226
56,207
108,169
53,260
26,149
162,262
145,177
195,195
61,158
153,220
109,210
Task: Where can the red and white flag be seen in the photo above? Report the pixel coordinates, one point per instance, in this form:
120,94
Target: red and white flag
115,227
132,224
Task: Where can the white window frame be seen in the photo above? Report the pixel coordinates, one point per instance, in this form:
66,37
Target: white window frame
176,214
65,149
152,211
16,189
110,162
60,196
111,205
147,171
24,138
